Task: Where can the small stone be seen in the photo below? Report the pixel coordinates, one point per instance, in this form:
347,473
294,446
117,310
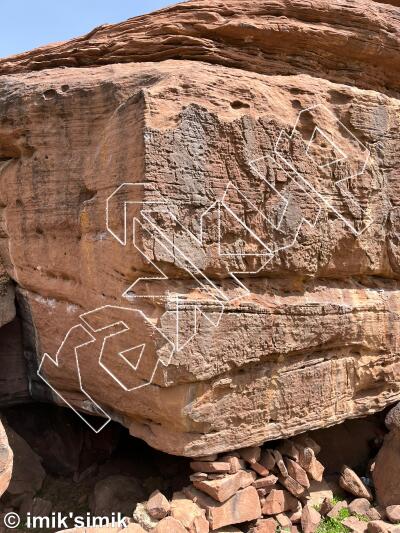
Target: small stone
358,526
306,456
188,513
289,449
265,525
295,516
377,526
251,454
169,525
292,486
393,513
337,508
326,506
350,482
359,506
222,489
210,467
280,463
142,517
310,519
316,469
307,442
373,514
216,476
318,491
198,475
243,506
235,462
260,469
297,472
279,501
283,521
265,482
267,459
157,505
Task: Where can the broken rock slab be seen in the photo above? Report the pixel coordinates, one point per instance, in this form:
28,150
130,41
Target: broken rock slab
351,483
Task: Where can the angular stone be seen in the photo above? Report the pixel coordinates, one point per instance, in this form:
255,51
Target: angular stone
235,462
295,516
355,525
350,482
318,491
188,513
283,521
292,486
265,482
169,525
310,519
307,442
222,489
251,454
210,467
393,513
374,514
157,505
142,517
326,507
288,449
267,459
264,525
198,475
260,469
279,501
297,472
306,456
359,506
377,526
279,463
315,469
242,507
334,512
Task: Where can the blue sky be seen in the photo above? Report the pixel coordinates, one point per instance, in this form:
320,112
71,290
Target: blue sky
27,24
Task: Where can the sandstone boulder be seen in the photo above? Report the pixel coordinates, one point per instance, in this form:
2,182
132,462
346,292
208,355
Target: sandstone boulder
351,483
393,513
157,505
386,473
261,174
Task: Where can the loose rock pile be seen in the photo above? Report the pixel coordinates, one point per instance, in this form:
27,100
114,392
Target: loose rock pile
264,490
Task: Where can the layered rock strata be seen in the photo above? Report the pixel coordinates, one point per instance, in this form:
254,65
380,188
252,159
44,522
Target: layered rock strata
200,213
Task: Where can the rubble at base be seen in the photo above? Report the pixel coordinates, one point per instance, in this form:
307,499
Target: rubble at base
270,489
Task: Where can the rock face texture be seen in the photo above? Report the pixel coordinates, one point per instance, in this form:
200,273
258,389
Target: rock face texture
200,211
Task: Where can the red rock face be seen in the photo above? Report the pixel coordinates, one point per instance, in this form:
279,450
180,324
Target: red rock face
239,170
